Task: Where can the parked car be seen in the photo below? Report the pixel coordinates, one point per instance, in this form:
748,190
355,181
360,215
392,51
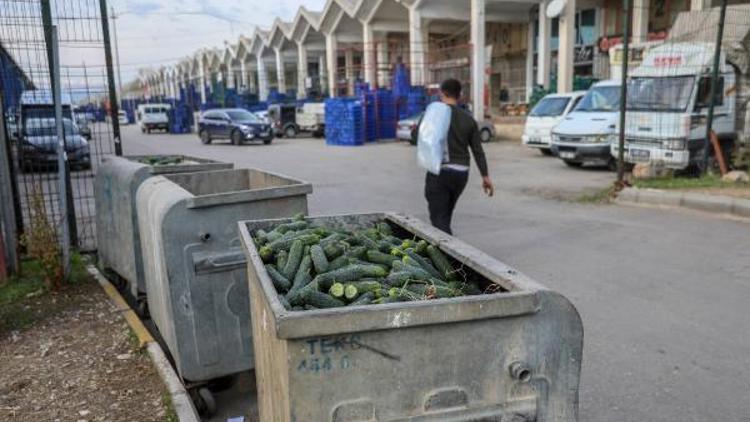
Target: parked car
11,124
38,145
235,124
584,136
122,117
405,127
546,114
153,116
284,119
263,117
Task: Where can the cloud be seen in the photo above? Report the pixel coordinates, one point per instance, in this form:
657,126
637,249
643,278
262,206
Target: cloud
143,8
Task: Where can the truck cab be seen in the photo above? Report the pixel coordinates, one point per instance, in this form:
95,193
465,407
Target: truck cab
667,106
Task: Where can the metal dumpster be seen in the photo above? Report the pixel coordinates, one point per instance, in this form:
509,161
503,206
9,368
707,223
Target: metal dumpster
195,269
117,181
508,356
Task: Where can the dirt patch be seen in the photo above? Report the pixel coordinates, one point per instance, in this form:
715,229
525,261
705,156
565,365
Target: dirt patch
77,363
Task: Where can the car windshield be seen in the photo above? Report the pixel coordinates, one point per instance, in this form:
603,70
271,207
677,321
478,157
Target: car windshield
154,110
660,94
553,106
603,98
48,128
242,116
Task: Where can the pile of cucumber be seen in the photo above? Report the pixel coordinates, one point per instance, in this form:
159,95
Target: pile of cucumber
156,160
316,267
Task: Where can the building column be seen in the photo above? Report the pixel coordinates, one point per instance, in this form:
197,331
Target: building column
252,81
530,61
262,78
349,70
368,50
202,82
301,71
243,74
322,73
640,21
332,61
700,4
566,49
383,64
543,51
280,72
418,38
477,57
230,78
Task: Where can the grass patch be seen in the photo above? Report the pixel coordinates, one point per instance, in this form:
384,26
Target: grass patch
708,181
170,413
25,299
601,196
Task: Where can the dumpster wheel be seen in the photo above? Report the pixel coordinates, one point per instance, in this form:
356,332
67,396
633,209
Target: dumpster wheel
204,401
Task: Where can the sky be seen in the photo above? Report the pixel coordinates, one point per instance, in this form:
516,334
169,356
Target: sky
156,33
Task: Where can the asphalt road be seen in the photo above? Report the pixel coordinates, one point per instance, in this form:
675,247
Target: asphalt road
664,294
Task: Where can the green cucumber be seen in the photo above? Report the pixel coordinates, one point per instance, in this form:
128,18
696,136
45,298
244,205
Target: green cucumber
384,228
293,259
319,259
333,250
281,257
424,263
421,247
357,288
336,290
321,300
358,252
417,272
280,282
364,299
309,308
349,273
285,303
339,262
303,272
441,262
295,297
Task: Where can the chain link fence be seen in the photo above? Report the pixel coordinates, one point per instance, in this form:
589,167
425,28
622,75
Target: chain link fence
90,125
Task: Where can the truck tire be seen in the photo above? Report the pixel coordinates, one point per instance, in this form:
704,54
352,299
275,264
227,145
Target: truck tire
290,131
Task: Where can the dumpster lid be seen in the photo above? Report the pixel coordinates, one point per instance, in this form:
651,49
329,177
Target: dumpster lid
521,296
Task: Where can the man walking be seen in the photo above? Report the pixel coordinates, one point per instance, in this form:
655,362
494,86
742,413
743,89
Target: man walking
442,191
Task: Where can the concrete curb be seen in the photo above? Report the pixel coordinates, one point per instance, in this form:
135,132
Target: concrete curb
736,207
181,401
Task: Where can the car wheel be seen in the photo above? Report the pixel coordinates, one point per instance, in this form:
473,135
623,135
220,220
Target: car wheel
546,151
290,132
267,141
236,138
485,135
573,164
143,129
205,138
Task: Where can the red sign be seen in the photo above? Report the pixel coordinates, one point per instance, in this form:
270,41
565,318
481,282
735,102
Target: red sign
605,43
667,61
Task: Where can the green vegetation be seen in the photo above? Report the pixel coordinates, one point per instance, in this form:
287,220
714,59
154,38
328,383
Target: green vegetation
708,181
171,414
26,299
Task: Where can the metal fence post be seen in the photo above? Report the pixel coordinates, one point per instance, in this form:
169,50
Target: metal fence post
51,46
624,93
62,156
7,201
714,79
112,91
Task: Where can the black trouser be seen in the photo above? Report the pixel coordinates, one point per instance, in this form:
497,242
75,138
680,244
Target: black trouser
442,193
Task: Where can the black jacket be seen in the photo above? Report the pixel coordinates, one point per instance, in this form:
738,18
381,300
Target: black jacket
463,135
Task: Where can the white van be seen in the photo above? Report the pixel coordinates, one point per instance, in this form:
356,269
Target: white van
584,135
153,116
545,115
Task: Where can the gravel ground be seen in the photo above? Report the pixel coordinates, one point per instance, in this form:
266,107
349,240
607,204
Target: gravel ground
80,364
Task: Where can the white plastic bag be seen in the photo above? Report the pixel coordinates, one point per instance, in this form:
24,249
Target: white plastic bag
433,136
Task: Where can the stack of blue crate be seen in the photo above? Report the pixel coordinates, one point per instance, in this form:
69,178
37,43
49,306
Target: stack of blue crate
387,119
415,101
369,115
344,121
275,97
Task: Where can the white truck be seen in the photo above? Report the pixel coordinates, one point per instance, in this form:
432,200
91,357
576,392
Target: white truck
153,116
669,93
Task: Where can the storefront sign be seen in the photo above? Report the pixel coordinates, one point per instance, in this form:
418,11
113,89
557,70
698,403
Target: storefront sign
584,55
605,43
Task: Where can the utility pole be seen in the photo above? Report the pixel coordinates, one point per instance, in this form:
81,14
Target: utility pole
624,94
714,80
117,55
